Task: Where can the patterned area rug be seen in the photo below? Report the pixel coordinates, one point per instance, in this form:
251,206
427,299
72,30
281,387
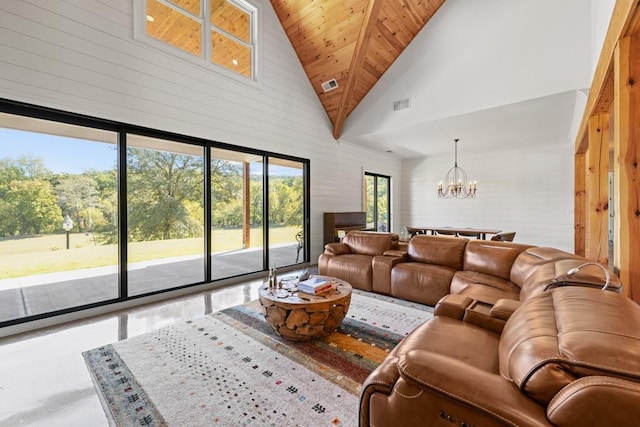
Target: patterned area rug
230,369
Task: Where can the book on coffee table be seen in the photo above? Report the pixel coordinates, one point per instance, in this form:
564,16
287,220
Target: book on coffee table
315,285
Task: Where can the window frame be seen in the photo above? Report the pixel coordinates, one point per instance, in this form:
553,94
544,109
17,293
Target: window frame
124,130
254,10
375,177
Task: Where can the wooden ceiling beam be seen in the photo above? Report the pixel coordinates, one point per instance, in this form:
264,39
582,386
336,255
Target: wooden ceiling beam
359,54
621,20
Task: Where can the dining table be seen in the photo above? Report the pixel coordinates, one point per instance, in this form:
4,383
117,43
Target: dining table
480,233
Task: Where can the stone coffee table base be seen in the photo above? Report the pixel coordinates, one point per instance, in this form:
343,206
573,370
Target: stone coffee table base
302,317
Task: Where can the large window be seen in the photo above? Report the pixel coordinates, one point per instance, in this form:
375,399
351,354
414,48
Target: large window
220,32
165,214
377,201
236,213
95,212
58,216
286,212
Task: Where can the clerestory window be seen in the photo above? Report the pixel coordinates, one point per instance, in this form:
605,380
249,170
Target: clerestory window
219,32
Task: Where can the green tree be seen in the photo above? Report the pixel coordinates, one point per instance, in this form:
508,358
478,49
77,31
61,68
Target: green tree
255,197
78,197
159,186
226,193
285,201
29,207
104,217
20,169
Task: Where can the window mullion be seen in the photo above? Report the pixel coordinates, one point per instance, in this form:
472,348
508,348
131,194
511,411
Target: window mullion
206,29
229,35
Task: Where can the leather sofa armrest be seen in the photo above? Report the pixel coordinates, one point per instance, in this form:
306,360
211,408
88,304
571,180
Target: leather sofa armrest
381,266
596,400
381,380
504,308
470,386
452,305
396,253
336,249
479,314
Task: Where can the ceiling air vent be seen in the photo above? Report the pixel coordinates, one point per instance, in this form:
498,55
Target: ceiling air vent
401,105
329,85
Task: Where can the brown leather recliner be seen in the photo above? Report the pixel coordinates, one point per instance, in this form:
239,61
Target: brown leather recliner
351,259
569,356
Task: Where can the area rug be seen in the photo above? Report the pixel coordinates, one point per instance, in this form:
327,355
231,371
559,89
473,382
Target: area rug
230,369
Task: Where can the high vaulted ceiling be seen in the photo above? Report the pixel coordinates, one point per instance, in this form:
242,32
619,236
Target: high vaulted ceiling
351,41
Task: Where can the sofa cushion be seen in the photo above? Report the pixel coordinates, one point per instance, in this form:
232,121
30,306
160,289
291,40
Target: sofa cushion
528,262
493,258
554,338
487,294
463,279
355,269
418,282
369,243
451,337
544,274
438,250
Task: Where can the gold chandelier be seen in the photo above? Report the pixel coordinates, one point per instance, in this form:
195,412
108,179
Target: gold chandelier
456,181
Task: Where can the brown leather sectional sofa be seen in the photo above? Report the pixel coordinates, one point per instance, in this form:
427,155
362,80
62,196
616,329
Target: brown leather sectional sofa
431,267
567,357
508,344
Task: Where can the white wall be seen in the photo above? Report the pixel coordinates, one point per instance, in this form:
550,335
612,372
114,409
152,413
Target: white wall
527,191
472,57
475,55
601,11
80,56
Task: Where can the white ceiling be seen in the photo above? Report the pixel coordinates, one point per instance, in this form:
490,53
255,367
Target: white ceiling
546,119
493,73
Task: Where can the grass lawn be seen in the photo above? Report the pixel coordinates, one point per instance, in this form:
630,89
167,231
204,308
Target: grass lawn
47,253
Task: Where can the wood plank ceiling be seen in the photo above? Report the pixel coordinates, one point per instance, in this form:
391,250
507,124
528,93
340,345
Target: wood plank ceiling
351,41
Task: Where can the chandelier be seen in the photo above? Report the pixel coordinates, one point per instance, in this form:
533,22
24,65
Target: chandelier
456,181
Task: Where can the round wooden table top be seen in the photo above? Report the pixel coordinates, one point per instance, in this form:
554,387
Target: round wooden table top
289,294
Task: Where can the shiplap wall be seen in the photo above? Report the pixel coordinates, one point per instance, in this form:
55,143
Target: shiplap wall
528,190
81,56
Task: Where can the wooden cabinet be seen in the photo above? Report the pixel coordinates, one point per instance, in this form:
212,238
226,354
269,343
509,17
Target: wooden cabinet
347,221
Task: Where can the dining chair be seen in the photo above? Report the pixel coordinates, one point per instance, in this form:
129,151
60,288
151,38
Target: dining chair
446,232
300,240
504,237
469,234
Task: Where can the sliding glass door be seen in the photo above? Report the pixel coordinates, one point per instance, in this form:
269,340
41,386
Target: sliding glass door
165,214
377,201
58,216
236,213
95,212
286,212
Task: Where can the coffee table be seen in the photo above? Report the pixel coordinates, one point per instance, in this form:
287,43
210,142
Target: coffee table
299,316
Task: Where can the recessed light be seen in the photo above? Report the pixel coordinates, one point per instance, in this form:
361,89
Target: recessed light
235,61
150,18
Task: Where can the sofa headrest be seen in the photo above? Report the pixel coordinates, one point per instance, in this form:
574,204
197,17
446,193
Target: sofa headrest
490,257
440,250
567,333
528,262
369,242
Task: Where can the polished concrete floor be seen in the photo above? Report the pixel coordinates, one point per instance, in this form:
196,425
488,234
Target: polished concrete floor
43,377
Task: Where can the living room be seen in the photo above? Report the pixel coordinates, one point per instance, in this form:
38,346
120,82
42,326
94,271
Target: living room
513,94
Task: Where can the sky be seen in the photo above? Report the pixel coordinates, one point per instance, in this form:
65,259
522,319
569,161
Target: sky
62,154
59,154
